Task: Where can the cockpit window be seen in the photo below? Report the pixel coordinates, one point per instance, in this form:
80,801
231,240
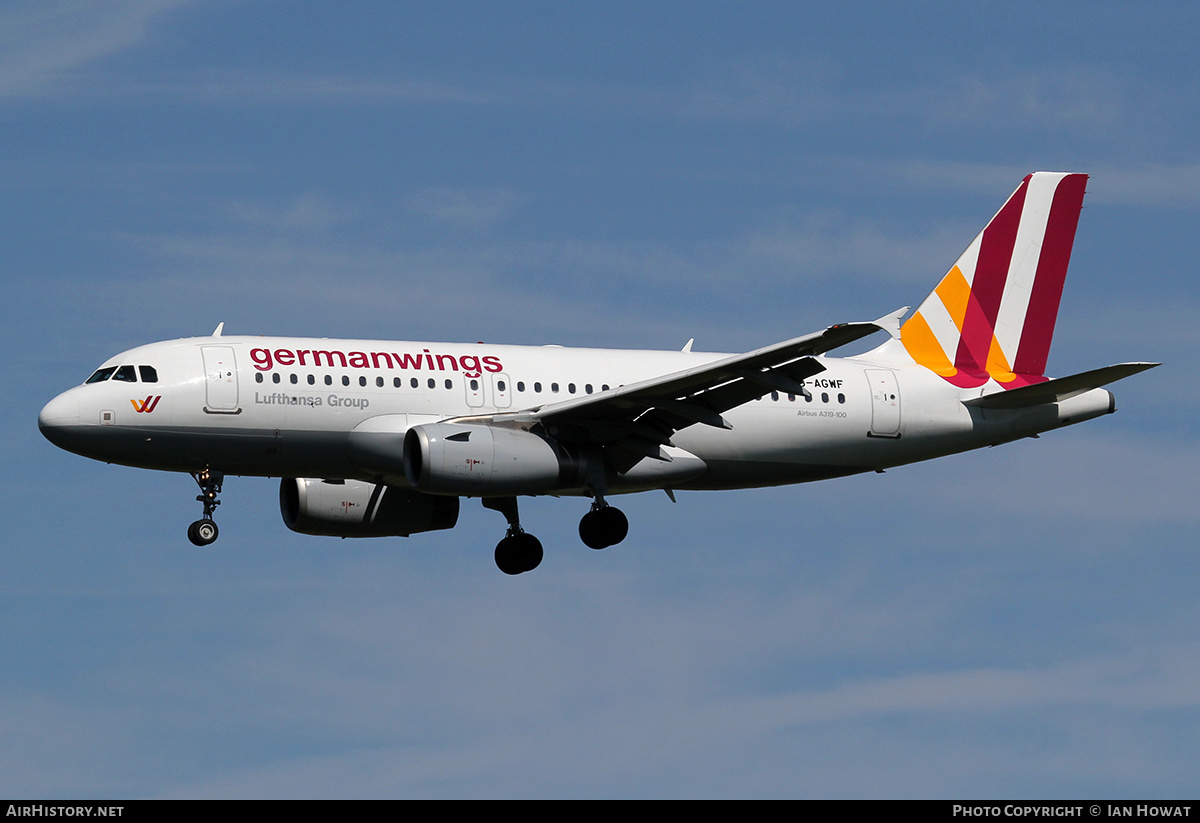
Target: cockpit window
126,374
101,375
149,374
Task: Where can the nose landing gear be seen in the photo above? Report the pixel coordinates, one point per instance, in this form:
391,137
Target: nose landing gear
204,531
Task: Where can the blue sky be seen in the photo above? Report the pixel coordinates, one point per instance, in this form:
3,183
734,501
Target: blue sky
1009,623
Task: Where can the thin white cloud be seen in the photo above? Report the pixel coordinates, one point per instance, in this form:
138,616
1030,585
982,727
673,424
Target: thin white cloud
251,87
828,244
1150,185
308,212
1169,185
42,42
1144,680
1075,98
1088,477
473,208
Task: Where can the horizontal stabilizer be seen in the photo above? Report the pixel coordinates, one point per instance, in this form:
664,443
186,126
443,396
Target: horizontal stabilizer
1054,391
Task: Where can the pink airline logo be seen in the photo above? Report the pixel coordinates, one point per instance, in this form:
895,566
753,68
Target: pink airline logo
992,316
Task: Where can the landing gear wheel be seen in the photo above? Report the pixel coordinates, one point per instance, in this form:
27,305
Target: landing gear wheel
603,527
202,532
518,553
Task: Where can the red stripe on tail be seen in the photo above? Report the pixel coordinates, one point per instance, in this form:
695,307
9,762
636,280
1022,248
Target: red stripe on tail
1047,288
987,286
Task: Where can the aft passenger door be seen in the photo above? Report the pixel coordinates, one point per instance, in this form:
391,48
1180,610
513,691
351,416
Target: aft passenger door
885,403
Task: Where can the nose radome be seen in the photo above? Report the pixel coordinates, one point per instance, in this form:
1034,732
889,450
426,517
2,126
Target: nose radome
61,411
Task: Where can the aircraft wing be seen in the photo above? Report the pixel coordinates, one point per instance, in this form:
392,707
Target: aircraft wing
638,419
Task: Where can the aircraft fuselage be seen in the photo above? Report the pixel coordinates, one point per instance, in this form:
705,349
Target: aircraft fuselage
270,407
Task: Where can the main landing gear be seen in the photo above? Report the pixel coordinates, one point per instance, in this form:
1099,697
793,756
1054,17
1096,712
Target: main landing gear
204,531
603,526
519,551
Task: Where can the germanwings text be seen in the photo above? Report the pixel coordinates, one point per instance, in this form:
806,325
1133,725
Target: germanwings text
469,364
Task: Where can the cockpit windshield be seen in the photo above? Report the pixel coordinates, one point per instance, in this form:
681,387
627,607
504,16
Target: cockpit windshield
101,375
125,374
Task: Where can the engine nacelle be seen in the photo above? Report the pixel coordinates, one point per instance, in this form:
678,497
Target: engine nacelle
472,459
352,508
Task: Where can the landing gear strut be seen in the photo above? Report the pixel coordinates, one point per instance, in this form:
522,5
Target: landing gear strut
604,525
204,530
518,552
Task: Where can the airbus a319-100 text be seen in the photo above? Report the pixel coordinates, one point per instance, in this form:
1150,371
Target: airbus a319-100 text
377,438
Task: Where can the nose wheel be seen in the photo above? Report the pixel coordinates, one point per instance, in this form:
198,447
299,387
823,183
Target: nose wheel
204,531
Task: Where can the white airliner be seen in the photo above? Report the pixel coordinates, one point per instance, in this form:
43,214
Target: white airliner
378,438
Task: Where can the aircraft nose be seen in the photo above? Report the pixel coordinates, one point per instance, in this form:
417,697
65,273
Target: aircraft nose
61,411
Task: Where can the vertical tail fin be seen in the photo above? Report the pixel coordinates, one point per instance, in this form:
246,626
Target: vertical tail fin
993,314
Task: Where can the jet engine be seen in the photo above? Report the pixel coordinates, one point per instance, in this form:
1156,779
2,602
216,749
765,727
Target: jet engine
469,459
352,508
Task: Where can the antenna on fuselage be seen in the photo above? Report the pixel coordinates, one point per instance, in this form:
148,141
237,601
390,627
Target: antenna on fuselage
218,329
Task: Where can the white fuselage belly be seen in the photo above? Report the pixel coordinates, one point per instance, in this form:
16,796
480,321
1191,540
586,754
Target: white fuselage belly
253,419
